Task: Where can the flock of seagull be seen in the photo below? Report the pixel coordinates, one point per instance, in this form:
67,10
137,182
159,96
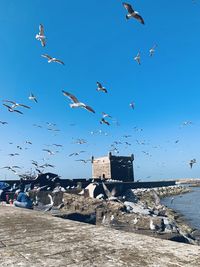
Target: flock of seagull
106,119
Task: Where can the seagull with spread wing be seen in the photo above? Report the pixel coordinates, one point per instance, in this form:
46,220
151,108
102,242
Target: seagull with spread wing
132,13
10,109
40,36
52,59
3,122
15,104
105,115
152,50
137,58
104,121
101,88
76,103
132,105
32,97
76,153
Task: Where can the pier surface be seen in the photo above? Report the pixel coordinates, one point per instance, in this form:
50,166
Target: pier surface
31,238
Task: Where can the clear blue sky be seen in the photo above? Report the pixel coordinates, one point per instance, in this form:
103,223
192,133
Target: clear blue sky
97,43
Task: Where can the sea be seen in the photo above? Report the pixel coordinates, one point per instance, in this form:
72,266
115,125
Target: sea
188,205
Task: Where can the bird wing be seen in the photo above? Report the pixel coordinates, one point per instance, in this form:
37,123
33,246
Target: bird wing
99,84
43,42
41,29
128,7
106,190
9,101
22,105
18,111
46,56
138,17
70,96
7,106
89,108
59,61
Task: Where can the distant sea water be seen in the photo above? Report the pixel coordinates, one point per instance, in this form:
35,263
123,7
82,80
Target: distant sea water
188,205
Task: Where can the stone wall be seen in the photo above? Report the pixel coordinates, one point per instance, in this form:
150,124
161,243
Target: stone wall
101,168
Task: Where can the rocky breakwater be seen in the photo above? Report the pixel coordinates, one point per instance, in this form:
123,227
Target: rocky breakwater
136,210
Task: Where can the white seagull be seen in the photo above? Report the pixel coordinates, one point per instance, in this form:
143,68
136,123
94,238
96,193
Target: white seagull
101,88
106,115
76,103
132,105
52,59
132,13
32,97
10,109
15,104
152,50
137,58
40,36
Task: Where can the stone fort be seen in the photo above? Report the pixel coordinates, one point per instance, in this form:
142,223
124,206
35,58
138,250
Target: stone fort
113,167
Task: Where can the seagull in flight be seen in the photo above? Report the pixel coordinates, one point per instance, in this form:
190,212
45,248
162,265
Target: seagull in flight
152,50
192,161
76,103
137,58
132,13
83,160
11,167
10,109
32,97
3,122
13,154
76,153
49,151
40,36
132,105
104,121
101,88
52,59
15,104
106,115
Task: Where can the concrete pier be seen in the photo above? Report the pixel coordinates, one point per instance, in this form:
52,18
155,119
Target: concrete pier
31,238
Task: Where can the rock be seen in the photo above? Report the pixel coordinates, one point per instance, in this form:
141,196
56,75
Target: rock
136,208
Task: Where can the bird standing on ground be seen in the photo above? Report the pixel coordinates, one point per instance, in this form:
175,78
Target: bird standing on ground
132,13
76,103
52,59
40,36
101,88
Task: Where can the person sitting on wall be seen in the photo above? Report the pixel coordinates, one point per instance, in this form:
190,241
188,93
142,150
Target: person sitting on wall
23,200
